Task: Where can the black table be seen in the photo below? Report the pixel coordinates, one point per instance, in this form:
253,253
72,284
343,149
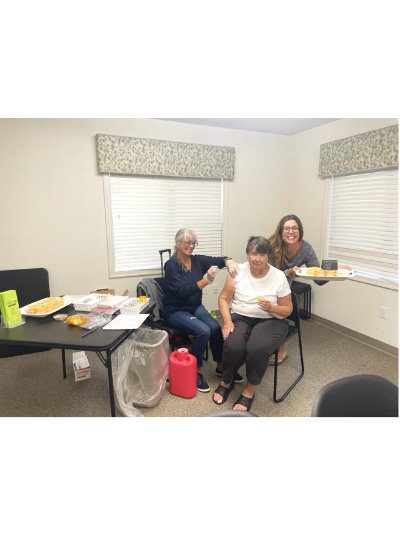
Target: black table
46,332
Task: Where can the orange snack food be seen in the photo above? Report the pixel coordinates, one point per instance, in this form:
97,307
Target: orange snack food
77,320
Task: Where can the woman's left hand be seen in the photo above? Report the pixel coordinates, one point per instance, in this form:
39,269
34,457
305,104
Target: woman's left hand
265,305
232,267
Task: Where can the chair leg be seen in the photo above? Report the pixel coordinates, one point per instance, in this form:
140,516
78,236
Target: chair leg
298,378
63,363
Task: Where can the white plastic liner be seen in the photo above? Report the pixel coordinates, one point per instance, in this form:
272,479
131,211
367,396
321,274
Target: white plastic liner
140,370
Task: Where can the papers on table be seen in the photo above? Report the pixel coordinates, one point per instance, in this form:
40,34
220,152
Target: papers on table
125,321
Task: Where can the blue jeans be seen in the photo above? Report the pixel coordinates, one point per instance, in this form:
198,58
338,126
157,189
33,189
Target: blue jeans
203,328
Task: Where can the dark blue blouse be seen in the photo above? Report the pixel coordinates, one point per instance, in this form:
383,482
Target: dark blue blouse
181,290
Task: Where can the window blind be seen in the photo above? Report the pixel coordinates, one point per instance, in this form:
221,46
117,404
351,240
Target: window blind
146,212
363,225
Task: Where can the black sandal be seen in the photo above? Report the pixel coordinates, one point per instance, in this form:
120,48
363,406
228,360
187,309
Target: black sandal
245,401
224,392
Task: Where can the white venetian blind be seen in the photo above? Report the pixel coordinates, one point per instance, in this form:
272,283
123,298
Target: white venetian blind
144,215
363,224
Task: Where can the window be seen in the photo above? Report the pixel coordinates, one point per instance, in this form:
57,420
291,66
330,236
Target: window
144,214
362,228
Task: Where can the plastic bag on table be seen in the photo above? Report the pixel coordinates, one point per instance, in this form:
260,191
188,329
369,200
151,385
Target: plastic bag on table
140,370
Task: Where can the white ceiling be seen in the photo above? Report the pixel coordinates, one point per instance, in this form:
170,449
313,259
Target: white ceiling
281,126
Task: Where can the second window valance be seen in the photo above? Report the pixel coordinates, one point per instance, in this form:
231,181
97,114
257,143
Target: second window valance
367,152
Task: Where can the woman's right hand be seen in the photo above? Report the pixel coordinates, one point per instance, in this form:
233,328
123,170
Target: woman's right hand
211,273
291,272
227,329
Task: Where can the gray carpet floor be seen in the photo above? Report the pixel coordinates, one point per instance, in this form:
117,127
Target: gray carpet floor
32,385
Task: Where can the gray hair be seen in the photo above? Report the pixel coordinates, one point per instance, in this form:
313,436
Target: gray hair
184,234
259,245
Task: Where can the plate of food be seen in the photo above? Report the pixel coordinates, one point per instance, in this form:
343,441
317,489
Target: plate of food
319,274
45,306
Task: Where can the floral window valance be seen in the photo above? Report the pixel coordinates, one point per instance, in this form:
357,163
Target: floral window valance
367,152
151,157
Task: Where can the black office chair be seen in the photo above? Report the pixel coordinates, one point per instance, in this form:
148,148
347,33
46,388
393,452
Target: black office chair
31,284
232,413
361,395
154,288
294,329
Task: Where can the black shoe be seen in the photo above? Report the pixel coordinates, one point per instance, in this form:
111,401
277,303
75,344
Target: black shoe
237,378
202,384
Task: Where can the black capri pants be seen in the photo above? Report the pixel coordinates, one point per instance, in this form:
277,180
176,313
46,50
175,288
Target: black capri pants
252,341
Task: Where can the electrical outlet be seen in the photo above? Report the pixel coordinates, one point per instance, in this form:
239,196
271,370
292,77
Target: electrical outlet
383,312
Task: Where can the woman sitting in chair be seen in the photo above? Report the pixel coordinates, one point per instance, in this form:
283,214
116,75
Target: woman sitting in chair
260,298
186,275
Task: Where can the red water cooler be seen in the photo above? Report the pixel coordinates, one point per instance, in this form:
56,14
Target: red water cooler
182,373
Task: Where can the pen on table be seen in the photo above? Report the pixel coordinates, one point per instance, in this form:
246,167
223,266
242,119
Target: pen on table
91,331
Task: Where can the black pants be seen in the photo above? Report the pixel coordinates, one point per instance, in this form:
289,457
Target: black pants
251,342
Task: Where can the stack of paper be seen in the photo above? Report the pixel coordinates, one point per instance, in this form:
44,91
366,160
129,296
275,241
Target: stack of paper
126,322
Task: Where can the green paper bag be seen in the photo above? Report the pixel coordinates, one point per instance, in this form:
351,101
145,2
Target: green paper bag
9,308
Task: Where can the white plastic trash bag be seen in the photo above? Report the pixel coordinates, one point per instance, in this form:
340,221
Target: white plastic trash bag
140,370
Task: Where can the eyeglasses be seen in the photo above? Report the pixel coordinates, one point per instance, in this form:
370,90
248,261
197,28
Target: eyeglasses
192,244
294,229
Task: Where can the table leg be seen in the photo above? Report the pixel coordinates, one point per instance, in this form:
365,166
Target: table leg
63,363
110,383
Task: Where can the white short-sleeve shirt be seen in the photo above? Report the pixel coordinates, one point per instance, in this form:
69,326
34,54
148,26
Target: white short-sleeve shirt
273,285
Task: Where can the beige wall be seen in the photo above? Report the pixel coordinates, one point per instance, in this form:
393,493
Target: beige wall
52,208
351,304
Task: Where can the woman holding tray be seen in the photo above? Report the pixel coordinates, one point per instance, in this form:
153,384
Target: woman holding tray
290,252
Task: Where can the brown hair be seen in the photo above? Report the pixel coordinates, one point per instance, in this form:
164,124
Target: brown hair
277,242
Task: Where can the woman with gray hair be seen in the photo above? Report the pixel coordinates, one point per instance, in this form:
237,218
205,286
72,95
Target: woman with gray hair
186,275
253,306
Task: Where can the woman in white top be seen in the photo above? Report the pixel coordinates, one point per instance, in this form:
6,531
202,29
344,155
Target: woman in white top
260,299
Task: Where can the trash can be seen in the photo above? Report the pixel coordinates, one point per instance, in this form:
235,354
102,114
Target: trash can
140,370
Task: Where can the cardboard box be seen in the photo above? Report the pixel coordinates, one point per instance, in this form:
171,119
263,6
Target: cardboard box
81,366
110,291
104,291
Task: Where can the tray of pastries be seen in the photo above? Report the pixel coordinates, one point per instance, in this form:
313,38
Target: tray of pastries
44,307
316,273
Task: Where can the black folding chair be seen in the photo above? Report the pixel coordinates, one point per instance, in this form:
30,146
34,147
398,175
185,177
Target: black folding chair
294,329
304,290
